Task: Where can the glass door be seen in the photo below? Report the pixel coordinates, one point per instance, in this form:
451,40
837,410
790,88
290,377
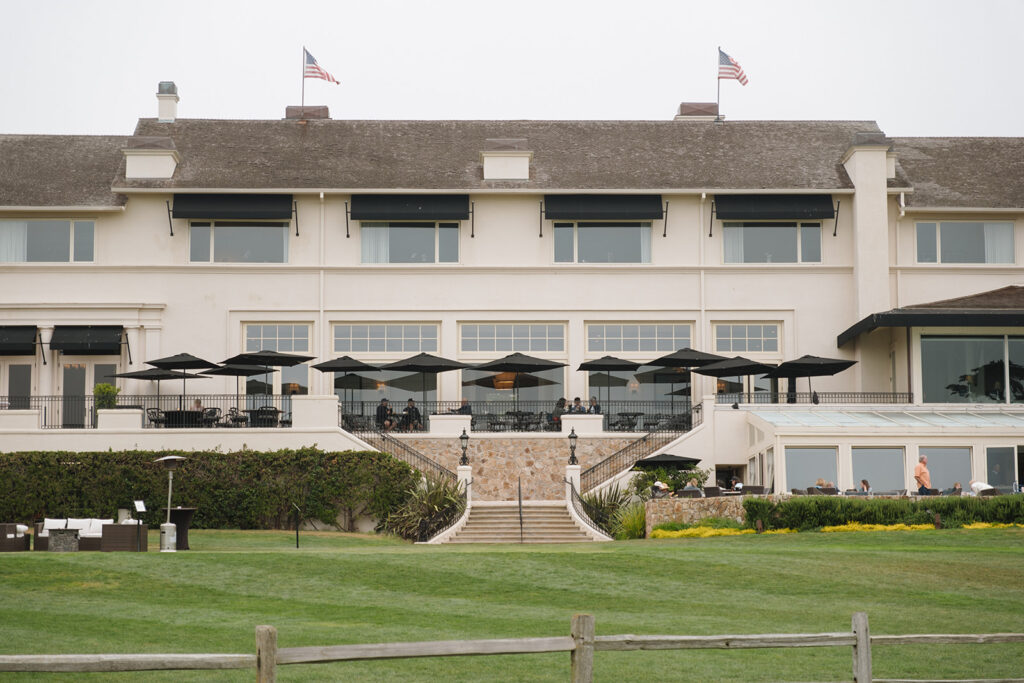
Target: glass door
16,378
77,381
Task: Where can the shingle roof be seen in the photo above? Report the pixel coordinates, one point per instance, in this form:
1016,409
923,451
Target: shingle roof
963,172
59,170
1004,298
431,155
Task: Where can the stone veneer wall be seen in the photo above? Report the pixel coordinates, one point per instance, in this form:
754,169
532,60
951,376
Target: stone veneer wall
499,462
692,510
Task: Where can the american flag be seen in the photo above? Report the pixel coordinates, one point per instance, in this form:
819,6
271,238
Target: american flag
313,69
729,68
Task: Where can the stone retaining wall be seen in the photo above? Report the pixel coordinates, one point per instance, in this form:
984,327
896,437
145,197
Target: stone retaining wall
692,510
499,462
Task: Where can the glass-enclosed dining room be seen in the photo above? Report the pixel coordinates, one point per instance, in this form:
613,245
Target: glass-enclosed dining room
972,369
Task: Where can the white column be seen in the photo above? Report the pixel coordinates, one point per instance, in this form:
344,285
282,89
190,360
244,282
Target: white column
47,382
465,474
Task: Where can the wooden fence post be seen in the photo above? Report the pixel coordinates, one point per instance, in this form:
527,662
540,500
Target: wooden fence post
583,655
266,654
862,648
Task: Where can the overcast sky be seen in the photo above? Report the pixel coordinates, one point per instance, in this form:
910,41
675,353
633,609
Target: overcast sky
920,67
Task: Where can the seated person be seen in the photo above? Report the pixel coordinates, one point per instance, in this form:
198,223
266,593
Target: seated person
692,486
594,408
865,487
735,484
955,490
559,411
577,406
385,416
659,489
197,404
464,408
411,418
978,486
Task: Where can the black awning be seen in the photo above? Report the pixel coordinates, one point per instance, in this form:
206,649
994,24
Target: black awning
410,207
602,207
88,340
752,207
233,206
908,317
18,340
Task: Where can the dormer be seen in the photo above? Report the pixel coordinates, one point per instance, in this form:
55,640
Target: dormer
150,157
506,159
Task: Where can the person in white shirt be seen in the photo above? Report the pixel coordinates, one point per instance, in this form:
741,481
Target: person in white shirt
978,486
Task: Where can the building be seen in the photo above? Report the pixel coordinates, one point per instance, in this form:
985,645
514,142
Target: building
567,240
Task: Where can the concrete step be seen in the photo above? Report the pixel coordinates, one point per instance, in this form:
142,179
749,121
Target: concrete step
541,523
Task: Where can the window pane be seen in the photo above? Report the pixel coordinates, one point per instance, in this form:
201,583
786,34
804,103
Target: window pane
760,244
49,241
249,243
962,369
411,244
962,242
448,244
1016,345
374,243
882,467
804,466
199,243
927,245
947,466
19,386
999,243
999,461
564,244
614,244
810,244
83,240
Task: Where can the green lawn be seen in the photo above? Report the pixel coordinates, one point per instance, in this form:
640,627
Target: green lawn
344,588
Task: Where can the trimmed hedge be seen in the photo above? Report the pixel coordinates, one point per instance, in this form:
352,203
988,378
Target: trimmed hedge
813,512
240,490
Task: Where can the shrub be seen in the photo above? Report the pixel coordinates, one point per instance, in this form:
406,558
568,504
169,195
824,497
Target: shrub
243,490
105,395
630,521
675,478
429,507
602,505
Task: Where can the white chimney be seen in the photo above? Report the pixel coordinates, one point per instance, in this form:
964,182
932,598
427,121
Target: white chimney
167,101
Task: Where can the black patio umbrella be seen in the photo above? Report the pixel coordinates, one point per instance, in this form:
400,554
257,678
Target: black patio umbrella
346,364
508,380
681,462
518,363
236,371
355,381
268,359
734,367
182,361
426,364
811,366
156,375
686,358
607,364
666,375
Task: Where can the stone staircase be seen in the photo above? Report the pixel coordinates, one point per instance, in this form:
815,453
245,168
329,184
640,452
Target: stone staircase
498,522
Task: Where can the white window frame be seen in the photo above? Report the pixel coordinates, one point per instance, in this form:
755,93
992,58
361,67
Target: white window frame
276,378
676,342
937,225
754,225
212,225
644,226
748,324
395,326
72,224
516,342
399,225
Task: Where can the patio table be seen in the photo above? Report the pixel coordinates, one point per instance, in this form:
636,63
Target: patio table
629,420
183,418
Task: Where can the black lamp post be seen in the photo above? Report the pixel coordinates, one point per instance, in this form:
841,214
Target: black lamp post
572,447
464,441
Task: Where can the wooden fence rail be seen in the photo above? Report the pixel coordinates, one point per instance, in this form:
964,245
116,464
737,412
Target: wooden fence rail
581,643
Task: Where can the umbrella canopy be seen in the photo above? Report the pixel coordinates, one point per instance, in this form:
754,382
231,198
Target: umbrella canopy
236,371
664,375
182,361
408,382
734,367
811,366
518,363
354,381
508,380
662,459
686,358
268,359
156,374
424,363
598,379
607,364
345,364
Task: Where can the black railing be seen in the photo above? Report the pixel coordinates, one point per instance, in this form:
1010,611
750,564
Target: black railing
817,397
407,454
661,435
512,416
583,509
212,410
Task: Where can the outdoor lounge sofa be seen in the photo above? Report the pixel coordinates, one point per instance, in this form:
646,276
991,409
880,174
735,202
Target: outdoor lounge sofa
94,534
13,538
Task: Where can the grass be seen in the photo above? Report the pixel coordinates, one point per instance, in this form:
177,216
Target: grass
350,588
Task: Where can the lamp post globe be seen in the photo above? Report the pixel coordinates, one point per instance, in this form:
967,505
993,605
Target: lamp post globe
464,443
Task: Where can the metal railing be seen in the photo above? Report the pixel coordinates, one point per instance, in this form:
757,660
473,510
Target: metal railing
817,397
463,509
172,411
512,416
585,511
661,435
386,443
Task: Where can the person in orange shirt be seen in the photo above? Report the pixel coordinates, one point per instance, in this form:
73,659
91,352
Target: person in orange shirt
922,476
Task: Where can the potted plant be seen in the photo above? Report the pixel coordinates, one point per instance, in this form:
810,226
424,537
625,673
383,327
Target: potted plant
105,395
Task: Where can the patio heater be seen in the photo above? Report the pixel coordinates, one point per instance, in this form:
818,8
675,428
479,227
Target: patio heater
168,531
464,442
572,447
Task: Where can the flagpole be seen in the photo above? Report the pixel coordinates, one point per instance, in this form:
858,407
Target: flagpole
718,79
303,77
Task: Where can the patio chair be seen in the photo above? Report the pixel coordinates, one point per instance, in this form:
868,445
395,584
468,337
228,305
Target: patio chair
684,493
210,418
990,492
712,491
798,492
754,490
267,416
156,417
237,418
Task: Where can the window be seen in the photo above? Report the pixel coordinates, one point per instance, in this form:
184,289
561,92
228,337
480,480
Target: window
771,242
589,242
964,369
744,338
47,241
286,339
882,467
381,338
804,466
965,242
947,466
16,379
410,242
603,338
512,337
238,242
1000,466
